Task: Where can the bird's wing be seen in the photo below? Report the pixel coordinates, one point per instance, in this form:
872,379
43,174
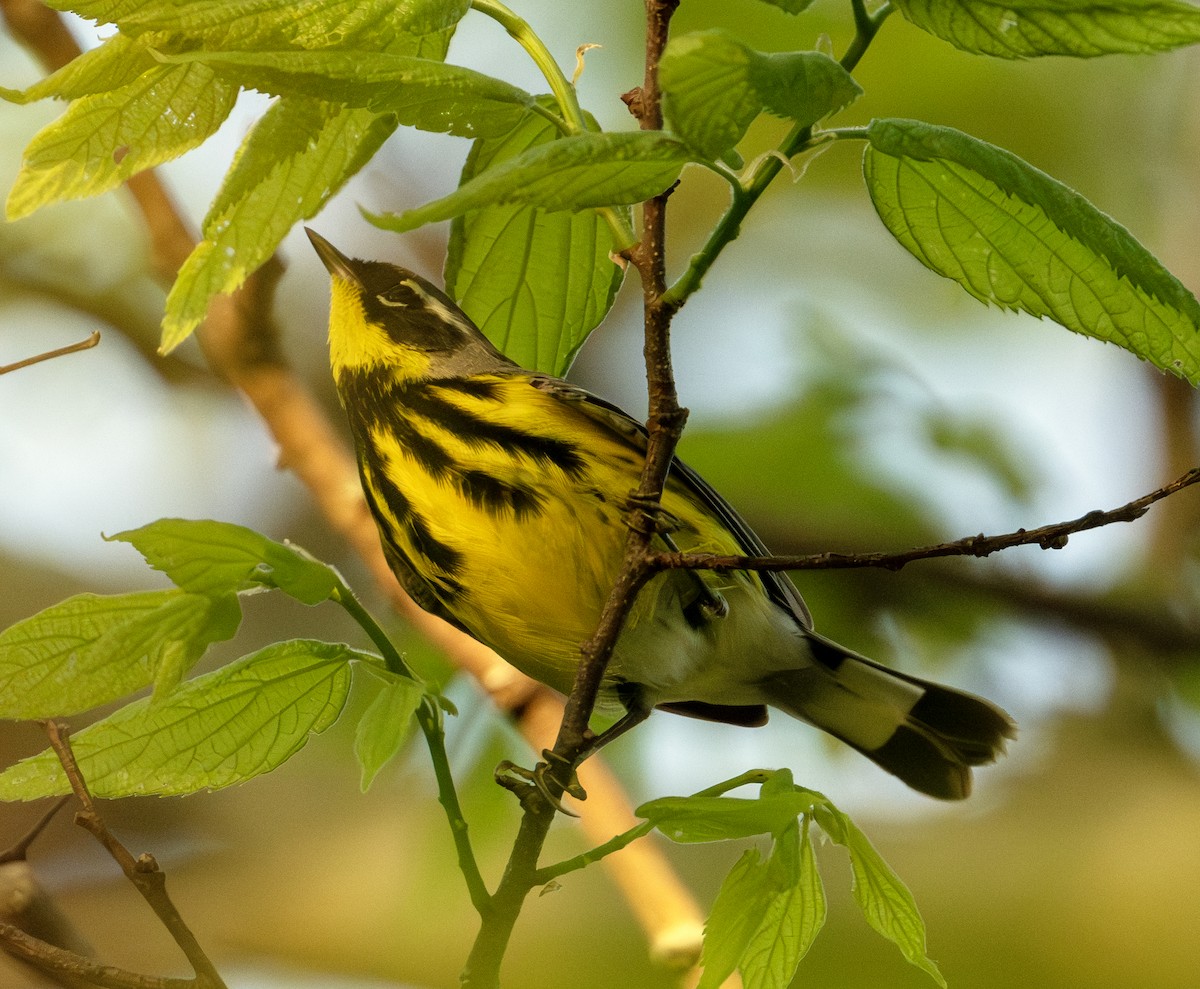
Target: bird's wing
778,586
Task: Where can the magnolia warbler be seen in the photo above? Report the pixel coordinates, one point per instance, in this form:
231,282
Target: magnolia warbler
499,494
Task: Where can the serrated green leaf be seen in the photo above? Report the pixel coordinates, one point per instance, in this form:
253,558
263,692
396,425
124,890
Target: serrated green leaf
707,92
272,24
91,648
1082,28
291,163
803,87
689,819
208,557
116,63
714,86
734,918
103,139
1013,236
422,92
573,173
789,921
385,725
226,727
885,901
536,283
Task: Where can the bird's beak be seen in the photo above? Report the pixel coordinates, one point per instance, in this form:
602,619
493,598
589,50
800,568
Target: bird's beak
338,265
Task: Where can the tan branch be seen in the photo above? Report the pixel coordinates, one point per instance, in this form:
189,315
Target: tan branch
1047,537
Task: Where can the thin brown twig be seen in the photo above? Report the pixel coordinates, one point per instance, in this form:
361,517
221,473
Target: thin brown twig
53,961
19,850
49,355
143,871
664,427
1047,537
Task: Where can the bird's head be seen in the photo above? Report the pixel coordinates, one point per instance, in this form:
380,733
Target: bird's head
382,315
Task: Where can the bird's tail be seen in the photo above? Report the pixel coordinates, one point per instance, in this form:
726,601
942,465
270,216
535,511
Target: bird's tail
928,735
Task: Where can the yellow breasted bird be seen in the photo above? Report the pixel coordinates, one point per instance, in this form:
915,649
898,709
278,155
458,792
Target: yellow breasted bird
499,495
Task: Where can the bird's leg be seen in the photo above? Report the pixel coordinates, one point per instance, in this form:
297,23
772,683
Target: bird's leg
554,767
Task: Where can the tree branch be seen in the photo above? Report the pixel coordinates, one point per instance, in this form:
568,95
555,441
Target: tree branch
664,427
1047,537
143,872
49,355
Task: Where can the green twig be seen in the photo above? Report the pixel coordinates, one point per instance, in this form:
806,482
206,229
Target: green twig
526,37
866,27
626,838
391,657
429,717
572,121
762,174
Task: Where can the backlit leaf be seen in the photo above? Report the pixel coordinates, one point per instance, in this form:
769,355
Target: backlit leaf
208,557
688,819
1083,28
103,139
714,86
288,167
572,173
536,283
93,648
885,901
734,918
421,92
386,724
1013,236
226,727
115,63
789,921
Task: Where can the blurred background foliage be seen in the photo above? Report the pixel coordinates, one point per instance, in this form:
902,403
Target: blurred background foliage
842,397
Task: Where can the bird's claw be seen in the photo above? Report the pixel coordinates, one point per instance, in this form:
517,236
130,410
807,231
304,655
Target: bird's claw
511,776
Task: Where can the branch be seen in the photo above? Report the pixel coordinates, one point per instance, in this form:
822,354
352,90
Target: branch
664,427
49,355
1047,537
143,872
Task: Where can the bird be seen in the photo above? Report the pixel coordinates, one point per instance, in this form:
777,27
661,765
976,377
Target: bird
500,495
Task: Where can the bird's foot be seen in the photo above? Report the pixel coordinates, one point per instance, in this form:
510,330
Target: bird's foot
546,779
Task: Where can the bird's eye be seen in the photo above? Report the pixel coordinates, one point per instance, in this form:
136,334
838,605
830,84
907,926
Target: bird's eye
400,296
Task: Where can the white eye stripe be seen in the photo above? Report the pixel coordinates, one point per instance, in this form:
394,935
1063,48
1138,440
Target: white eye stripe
407,283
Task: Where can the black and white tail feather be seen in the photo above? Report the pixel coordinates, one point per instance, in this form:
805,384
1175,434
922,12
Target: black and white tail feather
926,734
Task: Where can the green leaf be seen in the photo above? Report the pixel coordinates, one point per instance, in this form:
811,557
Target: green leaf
789,921
536,283
1083,28
114,64
1013,236
739,905
208,557
885,900
688,819
91,648
421,92
386,724
226,727
714,86
296,157
803,87
103,139
573,173
273,24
